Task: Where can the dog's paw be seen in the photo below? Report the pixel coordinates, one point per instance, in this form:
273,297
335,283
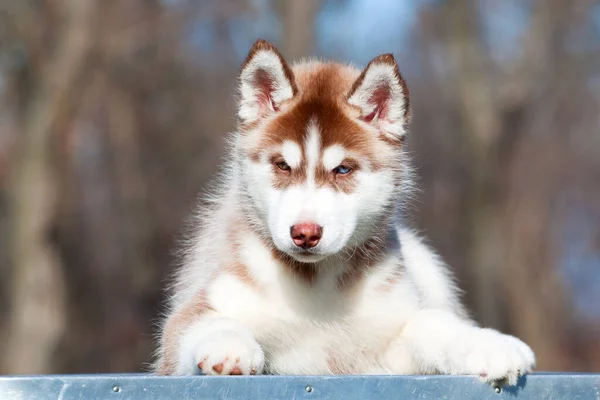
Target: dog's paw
231,350
496,357
229,355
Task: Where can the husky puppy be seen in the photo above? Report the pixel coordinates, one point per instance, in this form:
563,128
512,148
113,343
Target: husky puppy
301,262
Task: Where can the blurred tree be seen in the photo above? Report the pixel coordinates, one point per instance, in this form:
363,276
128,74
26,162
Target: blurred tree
507,156
116,127
297,19
37,318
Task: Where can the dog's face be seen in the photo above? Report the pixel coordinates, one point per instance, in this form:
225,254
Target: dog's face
320,149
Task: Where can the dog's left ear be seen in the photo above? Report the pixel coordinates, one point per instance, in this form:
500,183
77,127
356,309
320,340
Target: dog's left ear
266,81
381,95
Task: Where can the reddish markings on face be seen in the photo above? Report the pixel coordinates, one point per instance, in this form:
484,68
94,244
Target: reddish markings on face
283,179
306,272
342,183
175,325
321,99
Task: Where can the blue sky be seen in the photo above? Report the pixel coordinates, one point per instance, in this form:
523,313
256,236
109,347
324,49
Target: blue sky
353,30
358,31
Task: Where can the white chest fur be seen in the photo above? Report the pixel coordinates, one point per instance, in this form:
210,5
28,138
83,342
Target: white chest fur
315,327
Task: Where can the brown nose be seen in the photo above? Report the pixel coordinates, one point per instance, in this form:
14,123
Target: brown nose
306,235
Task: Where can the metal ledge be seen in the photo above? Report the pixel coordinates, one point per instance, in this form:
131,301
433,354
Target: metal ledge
149,387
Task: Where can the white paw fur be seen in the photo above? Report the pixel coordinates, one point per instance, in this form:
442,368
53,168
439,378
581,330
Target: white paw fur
497,357
444,343
217,346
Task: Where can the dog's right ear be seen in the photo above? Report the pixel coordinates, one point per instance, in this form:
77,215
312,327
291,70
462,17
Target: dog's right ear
381,95
266,81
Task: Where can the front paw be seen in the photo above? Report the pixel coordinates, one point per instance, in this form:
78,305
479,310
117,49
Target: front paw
229,355
496,357
222,353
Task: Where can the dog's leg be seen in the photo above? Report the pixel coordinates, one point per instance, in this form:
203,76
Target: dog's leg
219,346
437,341
210,344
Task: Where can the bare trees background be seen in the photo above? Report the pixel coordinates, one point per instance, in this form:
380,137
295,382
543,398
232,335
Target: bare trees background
112,118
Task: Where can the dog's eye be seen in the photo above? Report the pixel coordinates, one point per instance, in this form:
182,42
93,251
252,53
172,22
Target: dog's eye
282,165
342,170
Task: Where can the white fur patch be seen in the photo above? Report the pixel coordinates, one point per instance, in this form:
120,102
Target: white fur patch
256,256
333,156
442,343
312,149
292,153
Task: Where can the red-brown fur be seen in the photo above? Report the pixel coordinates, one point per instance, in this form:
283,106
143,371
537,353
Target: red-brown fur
322,91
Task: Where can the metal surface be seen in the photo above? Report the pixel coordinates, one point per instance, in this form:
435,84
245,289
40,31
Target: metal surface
137,386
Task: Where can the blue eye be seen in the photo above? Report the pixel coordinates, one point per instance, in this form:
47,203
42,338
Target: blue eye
342,170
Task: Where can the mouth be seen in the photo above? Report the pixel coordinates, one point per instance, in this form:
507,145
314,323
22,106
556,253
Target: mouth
307,256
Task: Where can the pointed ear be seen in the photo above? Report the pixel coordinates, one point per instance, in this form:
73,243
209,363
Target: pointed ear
266,81
381,95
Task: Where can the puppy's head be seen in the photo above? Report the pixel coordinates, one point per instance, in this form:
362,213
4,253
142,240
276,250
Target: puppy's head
320,147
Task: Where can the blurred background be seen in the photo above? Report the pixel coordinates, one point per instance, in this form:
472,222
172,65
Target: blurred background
112,119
